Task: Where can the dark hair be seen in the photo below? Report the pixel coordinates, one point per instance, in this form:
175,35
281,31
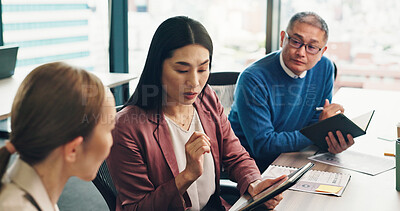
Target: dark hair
311,18
173,33
54,104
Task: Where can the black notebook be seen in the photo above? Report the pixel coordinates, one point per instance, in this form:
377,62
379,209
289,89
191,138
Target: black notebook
356,127
275,189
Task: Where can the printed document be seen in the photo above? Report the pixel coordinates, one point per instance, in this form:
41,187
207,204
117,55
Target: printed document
312,180
356,161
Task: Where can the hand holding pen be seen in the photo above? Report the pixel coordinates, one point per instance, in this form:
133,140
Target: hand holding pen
329,110
340,144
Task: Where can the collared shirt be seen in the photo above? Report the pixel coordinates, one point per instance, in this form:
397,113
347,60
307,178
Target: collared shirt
288,71
23,189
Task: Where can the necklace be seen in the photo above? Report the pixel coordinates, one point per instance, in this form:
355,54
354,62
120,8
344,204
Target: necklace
183,120
183,123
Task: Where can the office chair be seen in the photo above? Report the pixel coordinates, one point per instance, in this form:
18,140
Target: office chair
224,83
105,185
118,107
104,182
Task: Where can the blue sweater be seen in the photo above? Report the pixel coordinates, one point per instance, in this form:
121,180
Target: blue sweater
270,107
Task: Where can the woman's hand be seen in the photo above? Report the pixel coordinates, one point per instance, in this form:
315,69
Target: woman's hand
195,148
258,186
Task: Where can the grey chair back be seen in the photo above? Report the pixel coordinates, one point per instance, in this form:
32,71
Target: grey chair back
224,84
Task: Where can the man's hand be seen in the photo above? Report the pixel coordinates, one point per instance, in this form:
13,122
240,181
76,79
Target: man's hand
258,186
330,110
338,146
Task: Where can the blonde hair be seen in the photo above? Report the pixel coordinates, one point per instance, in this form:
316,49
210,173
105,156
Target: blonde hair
54,104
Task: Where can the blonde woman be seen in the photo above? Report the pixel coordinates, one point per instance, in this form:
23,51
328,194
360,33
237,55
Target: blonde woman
61,123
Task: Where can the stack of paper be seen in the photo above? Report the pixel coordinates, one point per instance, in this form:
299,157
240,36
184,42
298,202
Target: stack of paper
364,163
313,181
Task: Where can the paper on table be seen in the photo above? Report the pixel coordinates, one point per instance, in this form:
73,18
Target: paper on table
364,163
328,189
311,180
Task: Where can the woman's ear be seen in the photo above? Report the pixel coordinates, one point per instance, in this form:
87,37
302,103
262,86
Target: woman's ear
71,148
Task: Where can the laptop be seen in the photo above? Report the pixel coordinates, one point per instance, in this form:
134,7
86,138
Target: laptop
8,58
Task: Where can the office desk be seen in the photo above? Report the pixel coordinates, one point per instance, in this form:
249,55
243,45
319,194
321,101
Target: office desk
363,192
385,103
9,87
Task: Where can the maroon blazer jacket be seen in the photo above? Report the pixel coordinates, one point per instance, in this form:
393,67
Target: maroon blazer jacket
143,166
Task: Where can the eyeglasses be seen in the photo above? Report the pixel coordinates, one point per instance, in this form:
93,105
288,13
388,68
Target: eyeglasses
296,43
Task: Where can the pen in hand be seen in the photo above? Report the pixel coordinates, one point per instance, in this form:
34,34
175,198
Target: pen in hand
322,108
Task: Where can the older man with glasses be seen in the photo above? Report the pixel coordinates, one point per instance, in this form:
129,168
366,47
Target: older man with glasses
278,95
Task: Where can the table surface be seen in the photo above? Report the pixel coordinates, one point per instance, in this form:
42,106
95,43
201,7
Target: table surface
363,192
9,87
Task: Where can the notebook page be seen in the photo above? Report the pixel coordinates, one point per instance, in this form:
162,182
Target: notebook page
311,180
362,121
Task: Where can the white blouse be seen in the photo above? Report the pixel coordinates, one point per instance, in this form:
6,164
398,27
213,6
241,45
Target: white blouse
200,190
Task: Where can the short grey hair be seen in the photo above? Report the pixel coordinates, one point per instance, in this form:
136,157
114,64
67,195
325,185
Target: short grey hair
311,18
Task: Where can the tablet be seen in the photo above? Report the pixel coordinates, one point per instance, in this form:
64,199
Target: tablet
276,188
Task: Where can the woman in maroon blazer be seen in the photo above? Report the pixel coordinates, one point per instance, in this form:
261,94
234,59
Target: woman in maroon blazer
172,137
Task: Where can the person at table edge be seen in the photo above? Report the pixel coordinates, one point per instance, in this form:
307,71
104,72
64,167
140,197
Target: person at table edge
172,137
277,95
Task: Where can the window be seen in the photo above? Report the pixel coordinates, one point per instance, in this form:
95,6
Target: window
75,31
362,40
236,27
